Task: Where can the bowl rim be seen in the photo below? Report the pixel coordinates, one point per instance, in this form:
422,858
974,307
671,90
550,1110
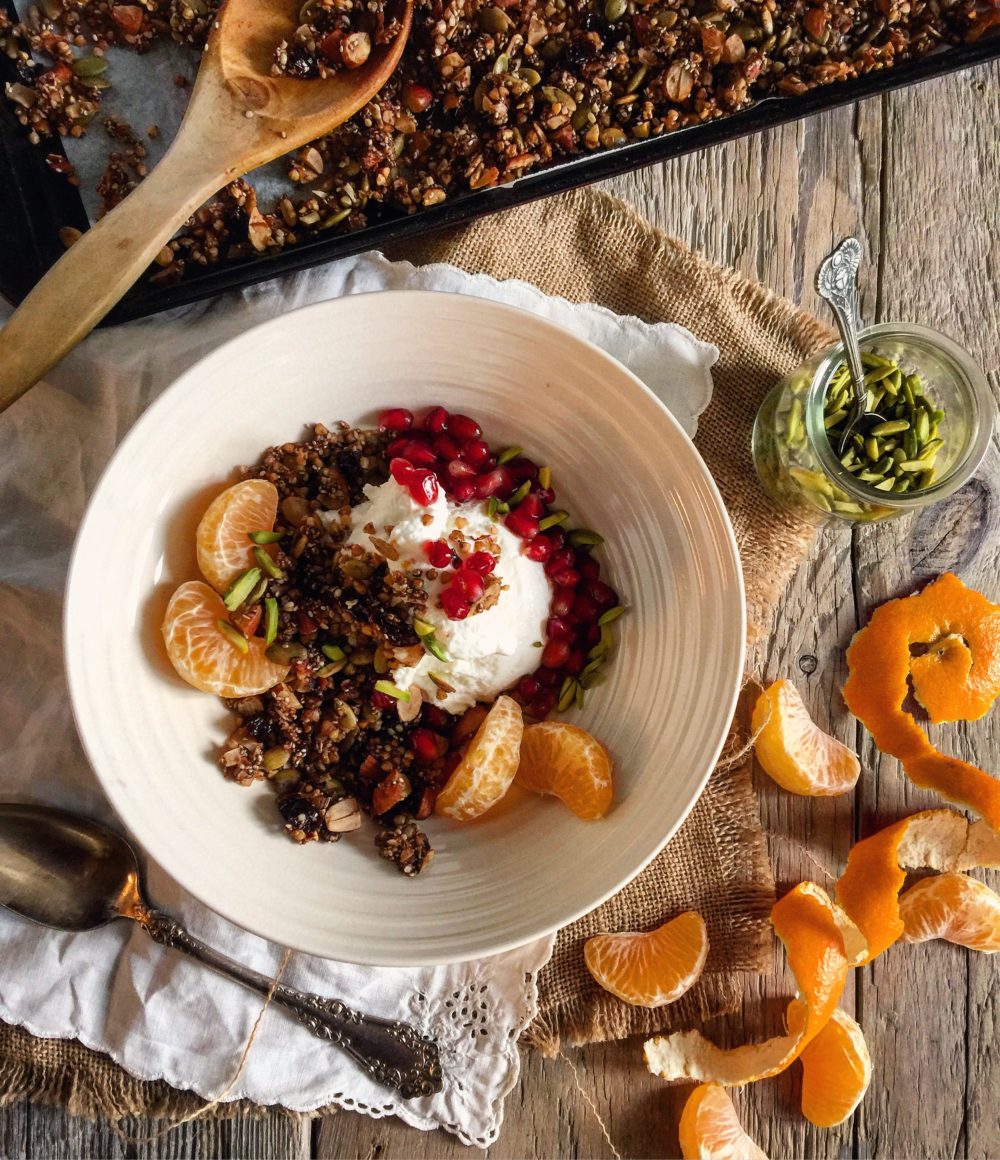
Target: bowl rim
186,381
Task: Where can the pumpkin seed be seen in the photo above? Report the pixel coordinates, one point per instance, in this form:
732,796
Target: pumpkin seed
530,77
234,636
501,64
88,67
276,758
284,654
493,20
240,589
332,652
614,10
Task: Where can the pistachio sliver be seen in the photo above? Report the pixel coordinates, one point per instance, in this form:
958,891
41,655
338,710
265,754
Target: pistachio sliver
240,589
267,565
422,627
545,476
584,538
521,492
233,635
552,521
433,646
508,454
333,652
567,695
611,614
270,619
264,537
391,690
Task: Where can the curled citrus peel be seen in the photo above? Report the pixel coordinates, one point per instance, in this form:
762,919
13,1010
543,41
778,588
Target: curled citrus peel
952,907
868,889
711,1130
794,751
822,944
836,1072
945,618
653,968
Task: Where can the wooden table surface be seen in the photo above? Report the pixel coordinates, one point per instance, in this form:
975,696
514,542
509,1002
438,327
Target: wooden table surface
916,175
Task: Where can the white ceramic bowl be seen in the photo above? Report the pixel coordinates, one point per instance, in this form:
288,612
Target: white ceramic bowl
621,464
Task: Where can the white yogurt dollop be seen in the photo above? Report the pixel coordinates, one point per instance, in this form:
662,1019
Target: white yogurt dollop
488,651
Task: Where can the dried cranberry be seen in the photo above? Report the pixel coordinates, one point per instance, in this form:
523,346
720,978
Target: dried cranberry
436,420
464,428
481,562
554,654
470,584
395,419
417,98
439,553
435,717
455,606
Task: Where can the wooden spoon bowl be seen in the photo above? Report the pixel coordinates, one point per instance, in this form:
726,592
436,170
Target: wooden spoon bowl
239,117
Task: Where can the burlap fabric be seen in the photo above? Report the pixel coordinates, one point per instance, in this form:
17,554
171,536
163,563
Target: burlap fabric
587,246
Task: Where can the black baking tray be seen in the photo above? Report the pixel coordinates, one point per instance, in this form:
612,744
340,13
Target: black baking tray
35,202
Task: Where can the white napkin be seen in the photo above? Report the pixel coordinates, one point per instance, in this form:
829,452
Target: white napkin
155,1012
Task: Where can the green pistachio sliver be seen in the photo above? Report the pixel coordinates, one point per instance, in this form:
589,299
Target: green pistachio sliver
929,450
567,694
872,449
834,419
871,359
521,492
510,453
330,670
926,478
270,619
267,565
240,589
592,667
892,383
795,420
610,615
265,537
877,375
579,695
333,652
870,476
893,427
913,465
885,485
584,538
422,627
233,635
936,416
391,690
847,507
433,646
552,521
911,444
258,592
903,484
922,426
492,507
545,476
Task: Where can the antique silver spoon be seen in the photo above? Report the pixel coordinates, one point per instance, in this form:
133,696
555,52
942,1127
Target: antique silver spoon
837,282
68,872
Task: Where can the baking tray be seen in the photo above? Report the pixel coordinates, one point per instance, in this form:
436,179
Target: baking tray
35,202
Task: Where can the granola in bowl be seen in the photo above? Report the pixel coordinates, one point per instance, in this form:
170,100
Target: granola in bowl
385,607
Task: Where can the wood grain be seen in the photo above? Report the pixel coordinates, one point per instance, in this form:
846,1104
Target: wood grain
917,175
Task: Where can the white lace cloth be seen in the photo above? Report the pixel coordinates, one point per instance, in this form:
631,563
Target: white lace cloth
157,1013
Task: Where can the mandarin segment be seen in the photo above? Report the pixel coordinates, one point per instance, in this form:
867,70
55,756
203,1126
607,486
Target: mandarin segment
567,762
822,944
488,766
836,1072
654,968
794,751
710,1129
201,654
953,907
223,539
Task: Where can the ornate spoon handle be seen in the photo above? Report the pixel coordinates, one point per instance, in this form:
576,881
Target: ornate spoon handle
837,282
392,1053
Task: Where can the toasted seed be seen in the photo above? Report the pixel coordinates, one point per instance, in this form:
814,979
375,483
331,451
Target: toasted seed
441,683
87,67
332,652
284,654
240,589
615,10
233,635
276,758
343,817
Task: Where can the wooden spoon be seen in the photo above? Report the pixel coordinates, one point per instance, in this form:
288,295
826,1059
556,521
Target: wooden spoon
239,117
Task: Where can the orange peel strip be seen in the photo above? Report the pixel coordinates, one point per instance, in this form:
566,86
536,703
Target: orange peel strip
710,1129
836,1072
868,889
953,907
879,662
822,944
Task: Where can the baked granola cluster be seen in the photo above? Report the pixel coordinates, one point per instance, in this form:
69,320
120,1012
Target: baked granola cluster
334,35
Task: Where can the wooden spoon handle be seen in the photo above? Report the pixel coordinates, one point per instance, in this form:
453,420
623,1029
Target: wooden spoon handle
98,269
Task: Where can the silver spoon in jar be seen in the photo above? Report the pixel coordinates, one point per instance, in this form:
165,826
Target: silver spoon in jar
67,872
837,283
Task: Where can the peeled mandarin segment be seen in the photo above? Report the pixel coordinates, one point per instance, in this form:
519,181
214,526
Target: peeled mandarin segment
794,751
564,760
222,540
952,907
939,677
203,656
836,1072
711,1130
868,889
879,662
487,769
652,969
822,944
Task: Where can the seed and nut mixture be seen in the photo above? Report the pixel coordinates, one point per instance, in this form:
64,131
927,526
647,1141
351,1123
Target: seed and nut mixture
336,738
485,92
334,35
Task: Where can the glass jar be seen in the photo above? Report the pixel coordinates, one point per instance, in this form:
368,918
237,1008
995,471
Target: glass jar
799,466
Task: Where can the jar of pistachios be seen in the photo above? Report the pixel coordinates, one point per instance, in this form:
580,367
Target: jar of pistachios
930,422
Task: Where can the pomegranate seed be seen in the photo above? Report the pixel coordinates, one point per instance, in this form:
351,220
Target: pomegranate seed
436,717
543,704
554,654
436,420
531,506
548,677
540,548
464,428
420,454
575,661
562,602
593,634
427,745
417,98
558,629
455,606
492,482
476,452
395,419
459,470
603,595
481,562
544,495
585,608
522,524
470,584
423,487
522,469
588,567
566,578
558,560
464,490
557,538
382,700
528,687
401,471
447,447
438,553
396,447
